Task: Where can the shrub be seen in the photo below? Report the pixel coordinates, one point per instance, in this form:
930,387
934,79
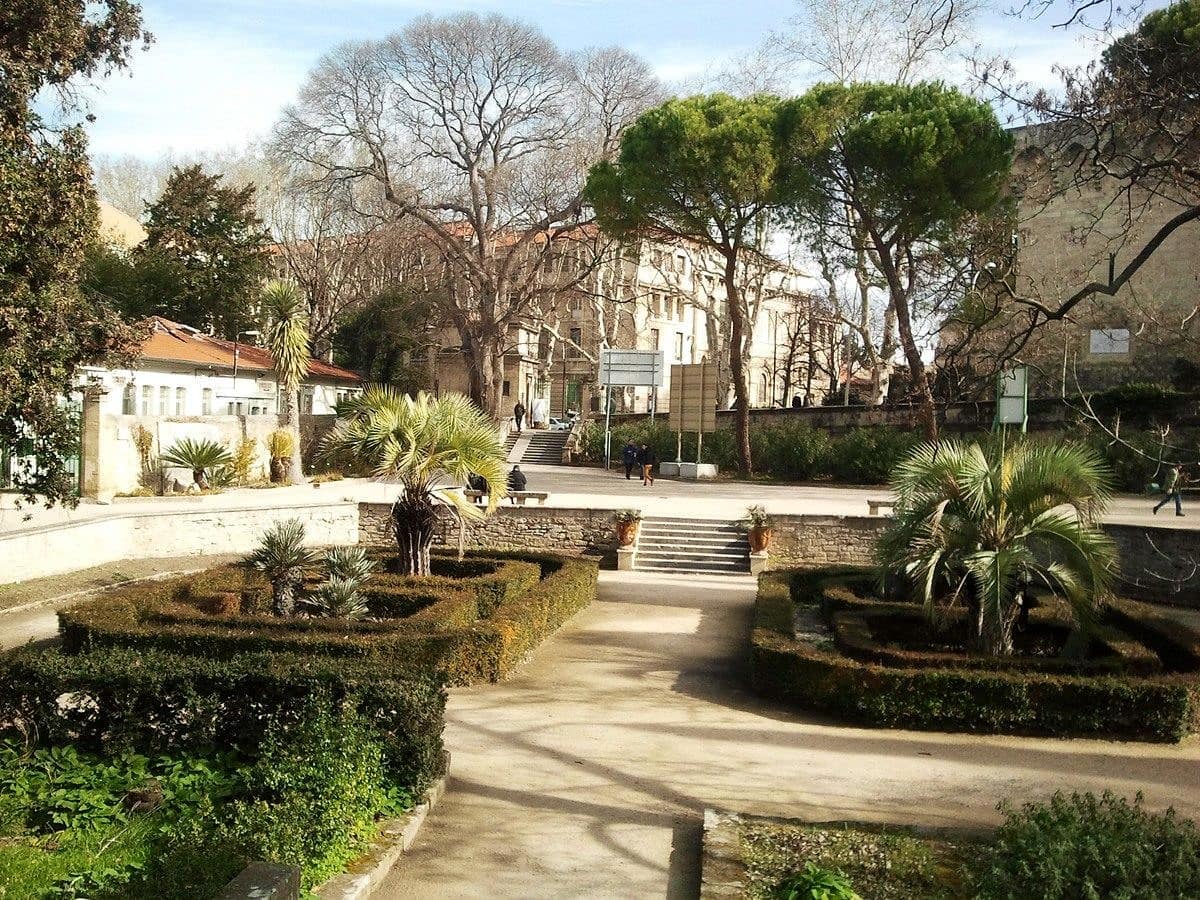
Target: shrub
241,467
339,598
201,456
1088,846
868,455
281,444
813,675
815,883
348,563
150,701
794,451
282,557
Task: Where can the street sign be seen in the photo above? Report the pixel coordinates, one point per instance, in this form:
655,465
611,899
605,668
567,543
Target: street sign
1012,396
632,368
693,397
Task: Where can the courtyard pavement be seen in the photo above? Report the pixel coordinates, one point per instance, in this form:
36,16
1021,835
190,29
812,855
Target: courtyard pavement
569,487
586,774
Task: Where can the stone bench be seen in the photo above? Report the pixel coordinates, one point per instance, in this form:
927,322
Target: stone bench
874,506
517,497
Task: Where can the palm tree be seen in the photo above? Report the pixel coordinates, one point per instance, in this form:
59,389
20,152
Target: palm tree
201,456
429,445
287,338
975,522
282,557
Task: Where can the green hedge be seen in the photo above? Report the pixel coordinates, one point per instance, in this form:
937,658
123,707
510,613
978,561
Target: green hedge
814,675
449,634
152,701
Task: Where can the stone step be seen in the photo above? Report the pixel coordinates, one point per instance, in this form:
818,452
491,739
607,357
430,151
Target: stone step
654,543
695,566
719,556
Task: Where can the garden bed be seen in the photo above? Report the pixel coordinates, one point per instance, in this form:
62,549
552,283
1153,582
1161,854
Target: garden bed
473,620
867,661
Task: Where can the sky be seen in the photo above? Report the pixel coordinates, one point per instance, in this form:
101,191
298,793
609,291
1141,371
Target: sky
219,71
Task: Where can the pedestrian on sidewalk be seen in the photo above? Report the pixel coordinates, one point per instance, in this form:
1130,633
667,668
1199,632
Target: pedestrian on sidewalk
1173,489
516,481
646,459
519,415
630,456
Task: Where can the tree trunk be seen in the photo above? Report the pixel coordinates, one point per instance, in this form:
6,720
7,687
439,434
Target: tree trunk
413,521
916,369
484,358
737,367
291,411
284,596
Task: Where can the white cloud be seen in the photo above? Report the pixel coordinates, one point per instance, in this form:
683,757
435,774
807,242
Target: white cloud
194,91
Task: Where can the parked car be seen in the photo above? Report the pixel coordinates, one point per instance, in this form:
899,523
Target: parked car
556,424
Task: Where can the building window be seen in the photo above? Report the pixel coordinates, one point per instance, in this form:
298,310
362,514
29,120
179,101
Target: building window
306,400
147,400
129,401
1108,341
763,388
679,346
506,388
164,400
680,263
206,398
653,338
576,335
180,401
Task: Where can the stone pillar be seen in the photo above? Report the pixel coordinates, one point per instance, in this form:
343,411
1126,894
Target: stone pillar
96,448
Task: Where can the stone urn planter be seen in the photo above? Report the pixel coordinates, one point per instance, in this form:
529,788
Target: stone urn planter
758,529
628,522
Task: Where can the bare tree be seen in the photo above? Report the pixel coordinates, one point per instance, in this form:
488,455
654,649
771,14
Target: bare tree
480,131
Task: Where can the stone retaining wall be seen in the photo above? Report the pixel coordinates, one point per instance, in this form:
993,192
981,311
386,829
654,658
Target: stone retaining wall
575,532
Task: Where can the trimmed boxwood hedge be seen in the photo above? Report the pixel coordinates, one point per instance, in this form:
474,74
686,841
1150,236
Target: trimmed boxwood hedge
815,676
477,632
151,701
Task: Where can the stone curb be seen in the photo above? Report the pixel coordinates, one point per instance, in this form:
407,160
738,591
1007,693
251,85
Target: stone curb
395,837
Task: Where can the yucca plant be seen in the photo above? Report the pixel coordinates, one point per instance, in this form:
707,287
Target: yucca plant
339,598
282,557
286,335
428,444
348,564
201,456
973,523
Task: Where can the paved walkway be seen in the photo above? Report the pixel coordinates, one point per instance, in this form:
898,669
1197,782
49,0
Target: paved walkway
586,774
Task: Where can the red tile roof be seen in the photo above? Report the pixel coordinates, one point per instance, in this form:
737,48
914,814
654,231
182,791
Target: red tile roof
171,342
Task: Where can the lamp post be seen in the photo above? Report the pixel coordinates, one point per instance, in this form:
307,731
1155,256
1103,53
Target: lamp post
253,332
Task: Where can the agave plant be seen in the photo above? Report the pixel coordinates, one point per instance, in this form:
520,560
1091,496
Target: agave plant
282,557
973,523
339,598
201,456
287,338
348,564
428,444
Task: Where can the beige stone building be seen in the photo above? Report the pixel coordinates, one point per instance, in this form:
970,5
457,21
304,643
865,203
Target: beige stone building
1069,235
658,296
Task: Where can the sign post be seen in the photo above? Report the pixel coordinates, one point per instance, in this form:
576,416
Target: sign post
694,408
627,368
1012,397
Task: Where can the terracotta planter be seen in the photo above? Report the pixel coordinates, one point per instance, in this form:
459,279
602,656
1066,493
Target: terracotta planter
627,533
760,538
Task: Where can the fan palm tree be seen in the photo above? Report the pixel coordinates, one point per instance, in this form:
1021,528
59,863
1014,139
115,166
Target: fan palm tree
975,522
282,557
287,338
201,456
429,445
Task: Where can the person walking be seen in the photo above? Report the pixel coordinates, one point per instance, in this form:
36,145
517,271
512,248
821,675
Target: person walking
630,457
1173,490
519,415
646,459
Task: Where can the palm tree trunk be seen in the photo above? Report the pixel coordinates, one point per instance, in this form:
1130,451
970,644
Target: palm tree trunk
285,597
291,403
413,521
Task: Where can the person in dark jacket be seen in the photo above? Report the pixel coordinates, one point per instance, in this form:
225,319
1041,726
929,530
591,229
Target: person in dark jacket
519,415
1173,490
477,482
630,457
516,481
646,459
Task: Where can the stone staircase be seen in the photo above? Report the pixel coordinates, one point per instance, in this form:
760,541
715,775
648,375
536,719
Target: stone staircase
703,546
544,448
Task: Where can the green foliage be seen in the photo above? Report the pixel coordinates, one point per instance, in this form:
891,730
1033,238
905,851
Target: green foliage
813,675
202,456
193,225
241,466
814,883
1162,52
869,455
1141,403
286,335
974,522
423,443
793,451
48,326
384,341
339,598
1084,846
315,792
282,557
350,563
281,444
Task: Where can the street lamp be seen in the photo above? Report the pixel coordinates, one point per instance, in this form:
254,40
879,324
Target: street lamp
253,332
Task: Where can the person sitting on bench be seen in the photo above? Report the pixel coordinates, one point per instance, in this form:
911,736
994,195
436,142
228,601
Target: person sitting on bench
516,481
